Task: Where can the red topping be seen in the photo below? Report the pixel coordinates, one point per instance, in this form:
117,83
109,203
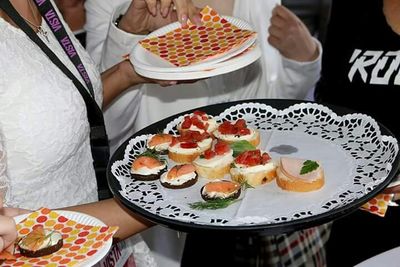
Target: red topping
238,128
186,122
188,145
199,113
253,158
221,148
189,139
198,119
209,154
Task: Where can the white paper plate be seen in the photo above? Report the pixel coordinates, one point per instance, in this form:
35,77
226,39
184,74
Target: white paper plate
83,219
143,59
230,65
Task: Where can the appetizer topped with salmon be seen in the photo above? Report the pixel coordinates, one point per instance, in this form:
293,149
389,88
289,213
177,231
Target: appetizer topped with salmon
40,242
214,163
147,167
221,189
253,167
180,176
198,121
188,146
238,131
299,175
159,142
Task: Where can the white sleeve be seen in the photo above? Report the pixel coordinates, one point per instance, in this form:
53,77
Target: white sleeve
299,78
109,45
106,43
4,182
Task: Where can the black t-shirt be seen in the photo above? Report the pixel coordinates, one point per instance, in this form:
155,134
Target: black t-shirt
361,62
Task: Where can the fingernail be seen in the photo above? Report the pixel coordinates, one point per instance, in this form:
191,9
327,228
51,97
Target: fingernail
153,11
184,19
165,11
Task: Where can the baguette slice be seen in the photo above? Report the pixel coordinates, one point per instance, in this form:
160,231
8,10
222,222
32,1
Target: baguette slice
215,163
289,177
253,178
254,140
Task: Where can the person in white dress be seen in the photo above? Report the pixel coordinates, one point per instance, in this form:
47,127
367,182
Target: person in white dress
289,68
45,153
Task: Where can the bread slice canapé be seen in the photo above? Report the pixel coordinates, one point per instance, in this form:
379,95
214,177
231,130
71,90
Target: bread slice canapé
179,176
220,189
40,242
253,167
299,175
215,162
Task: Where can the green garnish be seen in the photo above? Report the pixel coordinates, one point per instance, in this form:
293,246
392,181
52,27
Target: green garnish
152,153
213,204
241,146
309,166
245,185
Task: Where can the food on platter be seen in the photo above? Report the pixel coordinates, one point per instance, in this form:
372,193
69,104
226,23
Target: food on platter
220,189
179,176
299,175
159,142
186,147
147,167
40,242
238,131
215,162
198,121
253,167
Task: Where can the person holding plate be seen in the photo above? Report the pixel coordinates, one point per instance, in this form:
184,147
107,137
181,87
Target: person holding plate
51,124
289,53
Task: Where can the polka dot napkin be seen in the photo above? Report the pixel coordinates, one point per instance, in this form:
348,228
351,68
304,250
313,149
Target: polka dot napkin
378,205
80,241
191,44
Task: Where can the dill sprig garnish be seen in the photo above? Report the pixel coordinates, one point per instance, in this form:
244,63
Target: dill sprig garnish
213,204
152,153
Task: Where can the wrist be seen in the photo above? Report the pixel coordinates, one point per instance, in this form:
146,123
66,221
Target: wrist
128,75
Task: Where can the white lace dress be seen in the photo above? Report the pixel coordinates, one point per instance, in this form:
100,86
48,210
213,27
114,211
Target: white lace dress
45,157
45,154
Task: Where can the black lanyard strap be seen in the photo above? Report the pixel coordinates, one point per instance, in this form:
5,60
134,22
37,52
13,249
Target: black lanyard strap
52,19
98,135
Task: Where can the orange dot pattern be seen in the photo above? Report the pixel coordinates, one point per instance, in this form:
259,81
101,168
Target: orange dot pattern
378,205
190,44
80,241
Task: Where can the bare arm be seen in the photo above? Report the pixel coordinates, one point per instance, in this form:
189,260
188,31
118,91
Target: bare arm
121,77
112,213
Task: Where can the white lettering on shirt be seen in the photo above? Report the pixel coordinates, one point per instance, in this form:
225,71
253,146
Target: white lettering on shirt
382,66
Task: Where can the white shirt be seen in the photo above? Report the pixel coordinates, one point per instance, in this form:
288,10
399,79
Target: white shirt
45,155
149,103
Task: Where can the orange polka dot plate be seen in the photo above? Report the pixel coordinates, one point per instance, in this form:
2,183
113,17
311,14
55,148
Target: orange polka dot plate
86,240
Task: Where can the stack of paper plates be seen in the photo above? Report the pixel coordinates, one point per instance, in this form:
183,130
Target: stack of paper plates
158,56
